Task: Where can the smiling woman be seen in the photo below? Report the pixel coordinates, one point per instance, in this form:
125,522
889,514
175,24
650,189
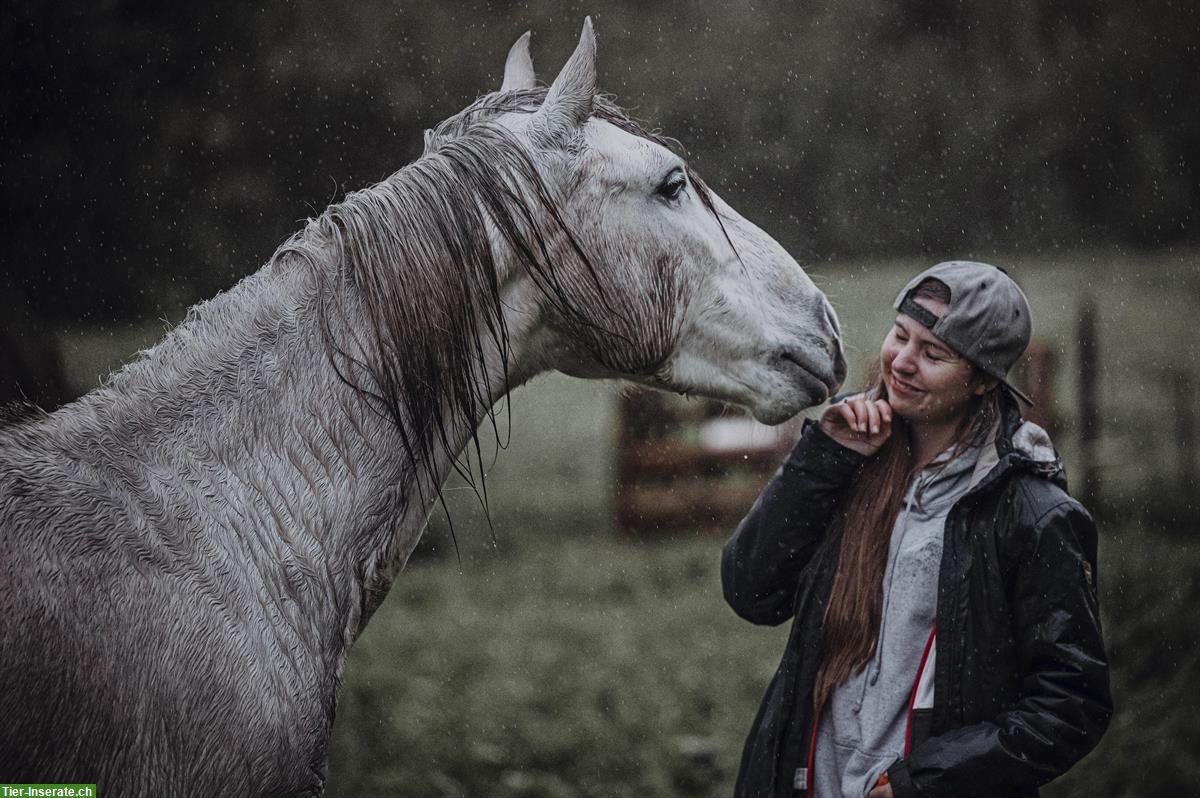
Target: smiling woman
922,539
927,383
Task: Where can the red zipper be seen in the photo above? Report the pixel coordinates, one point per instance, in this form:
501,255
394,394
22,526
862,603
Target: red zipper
812,755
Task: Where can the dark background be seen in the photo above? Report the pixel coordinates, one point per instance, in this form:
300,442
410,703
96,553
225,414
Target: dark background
153,153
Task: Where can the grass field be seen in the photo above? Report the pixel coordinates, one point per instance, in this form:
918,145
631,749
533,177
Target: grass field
578,668
586,667
558,662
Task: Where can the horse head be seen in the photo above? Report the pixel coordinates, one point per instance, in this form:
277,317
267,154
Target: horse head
656,279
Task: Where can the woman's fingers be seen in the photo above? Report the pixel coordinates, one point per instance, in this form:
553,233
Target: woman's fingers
838,422
862,416
873,417
858,423
885,411
885,417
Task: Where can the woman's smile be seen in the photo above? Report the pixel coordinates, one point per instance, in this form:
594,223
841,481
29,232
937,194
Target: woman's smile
901,388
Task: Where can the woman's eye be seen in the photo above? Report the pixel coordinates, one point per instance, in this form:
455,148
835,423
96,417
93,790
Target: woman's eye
672,187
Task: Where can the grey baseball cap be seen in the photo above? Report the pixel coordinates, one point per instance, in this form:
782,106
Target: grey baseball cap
987,320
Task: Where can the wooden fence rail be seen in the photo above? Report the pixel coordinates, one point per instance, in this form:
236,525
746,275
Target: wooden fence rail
689,467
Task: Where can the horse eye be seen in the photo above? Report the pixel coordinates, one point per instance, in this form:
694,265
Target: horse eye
673,186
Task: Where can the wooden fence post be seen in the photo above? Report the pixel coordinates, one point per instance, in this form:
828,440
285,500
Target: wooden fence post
673,477
1089,408
1034,373
1185,431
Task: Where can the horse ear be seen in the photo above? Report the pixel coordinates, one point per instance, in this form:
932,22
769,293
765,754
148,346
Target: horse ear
569,101
518,67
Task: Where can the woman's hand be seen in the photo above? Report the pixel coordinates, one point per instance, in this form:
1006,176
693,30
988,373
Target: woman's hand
858,423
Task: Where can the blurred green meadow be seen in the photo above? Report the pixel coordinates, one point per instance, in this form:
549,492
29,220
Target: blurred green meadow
588,667
525,652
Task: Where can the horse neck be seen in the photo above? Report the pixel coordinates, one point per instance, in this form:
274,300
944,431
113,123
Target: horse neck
238,427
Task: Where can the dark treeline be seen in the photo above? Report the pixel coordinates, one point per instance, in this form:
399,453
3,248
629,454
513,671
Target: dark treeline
153,153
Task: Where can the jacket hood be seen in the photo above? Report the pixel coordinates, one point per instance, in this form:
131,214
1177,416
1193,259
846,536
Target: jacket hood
1018,444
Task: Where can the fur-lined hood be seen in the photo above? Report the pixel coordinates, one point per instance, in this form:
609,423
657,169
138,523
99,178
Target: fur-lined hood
1017,443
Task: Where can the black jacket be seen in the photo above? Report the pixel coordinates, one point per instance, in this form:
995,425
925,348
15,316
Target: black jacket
1021,678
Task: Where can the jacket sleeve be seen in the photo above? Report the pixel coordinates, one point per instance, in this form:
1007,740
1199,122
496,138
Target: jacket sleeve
761,564
1065,703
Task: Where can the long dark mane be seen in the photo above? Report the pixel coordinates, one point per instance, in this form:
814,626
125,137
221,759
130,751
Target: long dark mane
412,254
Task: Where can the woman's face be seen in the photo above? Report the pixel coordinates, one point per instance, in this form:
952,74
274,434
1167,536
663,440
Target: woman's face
926,380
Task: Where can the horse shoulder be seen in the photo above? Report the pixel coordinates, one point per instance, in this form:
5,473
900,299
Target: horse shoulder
124,664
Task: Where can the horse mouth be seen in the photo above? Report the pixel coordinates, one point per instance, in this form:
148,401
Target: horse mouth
817,381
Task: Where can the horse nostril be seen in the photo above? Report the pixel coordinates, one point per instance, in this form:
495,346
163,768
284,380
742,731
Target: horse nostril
840,368
831,319
839,363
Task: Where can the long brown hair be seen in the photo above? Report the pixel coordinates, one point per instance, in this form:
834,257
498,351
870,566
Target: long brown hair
851,628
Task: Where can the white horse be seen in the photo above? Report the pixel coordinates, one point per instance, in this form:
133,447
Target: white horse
188,552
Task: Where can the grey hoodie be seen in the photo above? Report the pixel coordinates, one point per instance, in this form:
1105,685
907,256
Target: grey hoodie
862,730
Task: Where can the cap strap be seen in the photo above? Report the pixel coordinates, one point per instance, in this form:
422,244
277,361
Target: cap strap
910,308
